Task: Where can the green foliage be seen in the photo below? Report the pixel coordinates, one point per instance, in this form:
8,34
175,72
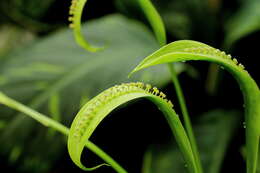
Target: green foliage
48,122
56,77
94,111
186,50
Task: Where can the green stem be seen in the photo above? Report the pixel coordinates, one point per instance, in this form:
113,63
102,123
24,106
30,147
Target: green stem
48,122
157,24
185,113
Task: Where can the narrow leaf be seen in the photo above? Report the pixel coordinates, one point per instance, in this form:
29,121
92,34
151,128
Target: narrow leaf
94,111
186,50
155,20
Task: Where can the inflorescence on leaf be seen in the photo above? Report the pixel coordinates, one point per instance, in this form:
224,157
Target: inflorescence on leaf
72,12
118,90
213,52
188,50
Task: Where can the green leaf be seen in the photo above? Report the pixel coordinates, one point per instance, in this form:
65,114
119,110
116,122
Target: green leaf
214,128
57,65
155,20
244,22
94,111
187,50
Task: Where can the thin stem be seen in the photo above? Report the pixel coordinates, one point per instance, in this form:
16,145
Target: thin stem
147,162
157,24
185,113
212,79
48,122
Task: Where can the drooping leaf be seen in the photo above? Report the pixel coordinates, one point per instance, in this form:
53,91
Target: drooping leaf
214,128
187,50
57,65
98,108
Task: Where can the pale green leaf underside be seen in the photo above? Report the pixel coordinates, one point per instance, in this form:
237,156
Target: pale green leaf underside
91,115
186,50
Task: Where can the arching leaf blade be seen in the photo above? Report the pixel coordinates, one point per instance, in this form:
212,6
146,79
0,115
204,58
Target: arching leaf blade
185,50
91,115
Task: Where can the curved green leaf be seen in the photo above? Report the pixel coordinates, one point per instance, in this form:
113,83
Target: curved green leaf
94,111
155,20
76,10
159,30
186,50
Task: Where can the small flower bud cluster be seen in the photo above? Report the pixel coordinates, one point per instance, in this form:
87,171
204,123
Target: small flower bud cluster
71,12
214,52
95,104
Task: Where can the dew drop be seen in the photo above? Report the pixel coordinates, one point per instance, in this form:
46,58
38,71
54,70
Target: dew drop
244,125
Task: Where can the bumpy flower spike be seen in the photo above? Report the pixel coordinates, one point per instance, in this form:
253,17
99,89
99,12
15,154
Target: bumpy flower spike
75,13
185,50
91,115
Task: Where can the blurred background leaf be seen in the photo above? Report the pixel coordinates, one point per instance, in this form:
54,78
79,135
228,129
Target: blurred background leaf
214,131
57,66
13,37
244,22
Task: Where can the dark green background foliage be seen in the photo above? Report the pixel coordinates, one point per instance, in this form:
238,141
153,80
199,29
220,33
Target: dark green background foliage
43,67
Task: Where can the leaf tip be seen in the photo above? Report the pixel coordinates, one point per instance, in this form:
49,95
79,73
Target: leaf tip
132,72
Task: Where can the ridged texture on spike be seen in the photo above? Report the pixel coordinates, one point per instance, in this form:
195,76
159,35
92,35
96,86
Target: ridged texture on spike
98,108
188,50
213,52
75,13
110,94
72,10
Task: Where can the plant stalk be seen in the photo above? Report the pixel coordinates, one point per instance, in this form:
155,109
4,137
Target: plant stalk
48,122
184,110
158,27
